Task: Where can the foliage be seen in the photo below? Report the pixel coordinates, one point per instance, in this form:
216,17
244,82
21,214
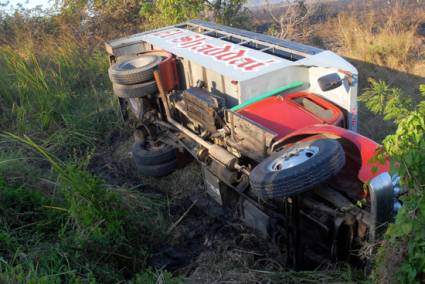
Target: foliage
390,102
405,239
230,12
167,12
102,20
60,223
153,277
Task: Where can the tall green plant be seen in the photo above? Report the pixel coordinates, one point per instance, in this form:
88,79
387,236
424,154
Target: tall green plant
381,98
58,95
401,258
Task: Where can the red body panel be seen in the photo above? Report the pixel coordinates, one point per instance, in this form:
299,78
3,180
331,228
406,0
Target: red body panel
288,119
167,69
283,115
367,148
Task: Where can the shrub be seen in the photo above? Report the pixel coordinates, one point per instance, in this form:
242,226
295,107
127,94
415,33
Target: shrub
401,257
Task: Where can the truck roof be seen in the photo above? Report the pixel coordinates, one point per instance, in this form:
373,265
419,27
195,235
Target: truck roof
238,54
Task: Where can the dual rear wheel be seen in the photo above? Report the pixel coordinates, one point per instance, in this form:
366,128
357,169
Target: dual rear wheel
132,76
153,158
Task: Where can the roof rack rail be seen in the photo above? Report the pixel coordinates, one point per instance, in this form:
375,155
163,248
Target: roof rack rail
282,48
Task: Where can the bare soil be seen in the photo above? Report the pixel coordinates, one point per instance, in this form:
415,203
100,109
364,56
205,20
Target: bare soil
205,244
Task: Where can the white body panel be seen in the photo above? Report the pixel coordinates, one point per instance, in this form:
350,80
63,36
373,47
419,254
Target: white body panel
241,73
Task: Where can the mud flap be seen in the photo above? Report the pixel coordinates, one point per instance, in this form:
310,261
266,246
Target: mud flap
213,185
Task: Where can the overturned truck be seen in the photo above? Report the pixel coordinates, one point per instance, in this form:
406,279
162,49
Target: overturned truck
273,125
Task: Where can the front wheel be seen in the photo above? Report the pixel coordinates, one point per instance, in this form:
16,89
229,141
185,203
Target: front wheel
297,169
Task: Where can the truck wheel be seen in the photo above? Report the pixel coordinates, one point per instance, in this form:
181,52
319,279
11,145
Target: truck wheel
135,70
158,170
145,154
136,90
297,169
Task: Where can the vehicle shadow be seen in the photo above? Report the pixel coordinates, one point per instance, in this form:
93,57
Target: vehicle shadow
370,124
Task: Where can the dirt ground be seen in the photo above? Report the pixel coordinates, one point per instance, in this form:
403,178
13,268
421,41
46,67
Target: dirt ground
205,244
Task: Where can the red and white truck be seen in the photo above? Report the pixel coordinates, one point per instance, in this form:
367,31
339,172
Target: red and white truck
272,123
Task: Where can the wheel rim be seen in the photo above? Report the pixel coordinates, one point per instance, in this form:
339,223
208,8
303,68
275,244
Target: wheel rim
293,158
138,62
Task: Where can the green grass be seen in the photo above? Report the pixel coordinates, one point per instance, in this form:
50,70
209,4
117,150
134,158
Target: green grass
60,223
58,96
83,229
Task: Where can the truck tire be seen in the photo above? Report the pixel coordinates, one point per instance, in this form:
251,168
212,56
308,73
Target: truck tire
135,70
146,155
159,170
136,90
297,169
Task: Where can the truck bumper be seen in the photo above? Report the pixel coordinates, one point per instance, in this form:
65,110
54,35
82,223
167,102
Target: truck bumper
384,193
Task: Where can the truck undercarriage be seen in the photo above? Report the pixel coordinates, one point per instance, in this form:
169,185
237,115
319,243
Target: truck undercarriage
272,143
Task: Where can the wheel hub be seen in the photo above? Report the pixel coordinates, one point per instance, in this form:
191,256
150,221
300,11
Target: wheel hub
293,158
138,62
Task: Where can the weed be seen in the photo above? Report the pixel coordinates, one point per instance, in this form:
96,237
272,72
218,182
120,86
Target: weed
84,230
385,100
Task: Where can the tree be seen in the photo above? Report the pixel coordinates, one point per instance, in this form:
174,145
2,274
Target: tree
231,13
100,18
167,12
293,20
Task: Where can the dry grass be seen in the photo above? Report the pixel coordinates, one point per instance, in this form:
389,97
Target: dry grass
386,38
383,43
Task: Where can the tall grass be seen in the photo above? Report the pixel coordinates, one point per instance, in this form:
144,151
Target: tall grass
59,222
387,38
82,230
57,94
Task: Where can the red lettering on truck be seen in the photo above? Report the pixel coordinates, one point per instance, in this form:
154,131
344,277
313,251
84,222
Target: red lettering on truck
228,53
